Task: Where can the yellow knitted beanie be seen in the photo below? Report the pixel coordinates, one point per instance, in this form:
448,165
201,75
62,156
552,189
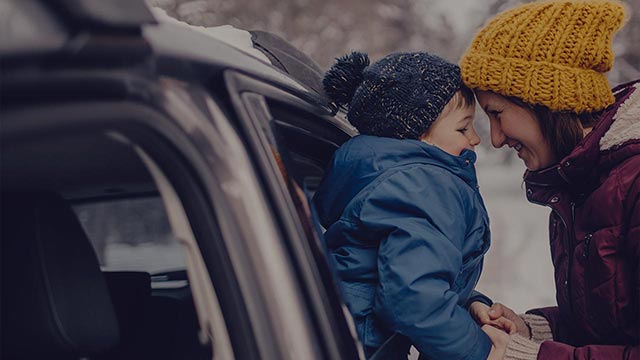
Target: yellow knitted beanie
552,53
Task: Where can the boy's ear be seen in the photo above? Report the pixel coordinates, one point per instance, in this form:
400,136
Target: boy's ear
425,137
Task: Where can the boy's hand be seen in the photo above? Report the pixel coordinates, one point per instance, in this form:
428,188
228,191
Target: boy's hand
499,341
482,314
498,311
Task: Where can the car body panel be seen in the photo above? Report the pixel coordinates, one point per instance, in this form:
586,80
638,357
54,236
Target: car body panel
195,105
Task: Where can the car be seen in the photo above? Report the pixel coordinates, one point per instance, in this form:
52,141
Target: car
155,191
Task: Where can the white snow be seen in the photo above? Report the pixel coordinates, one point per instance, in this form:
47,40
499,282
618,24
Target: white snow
518,270
149,257
238,38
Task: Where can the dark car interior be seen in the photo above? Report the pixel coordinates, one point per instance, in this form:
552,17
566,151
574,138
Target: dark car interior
60,301
83,276
57,302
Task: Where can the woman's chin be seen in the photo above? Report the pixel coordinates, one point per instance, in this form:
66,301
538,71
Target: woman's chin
530,165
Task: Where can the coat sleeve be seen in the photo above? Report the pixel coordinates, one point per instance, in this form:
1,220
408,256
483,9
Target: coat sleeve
557,350
478,296
553,350
552,314
421,217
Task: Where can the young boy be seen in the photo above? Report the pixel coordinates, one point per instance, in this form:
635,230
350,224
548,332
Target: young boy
406,226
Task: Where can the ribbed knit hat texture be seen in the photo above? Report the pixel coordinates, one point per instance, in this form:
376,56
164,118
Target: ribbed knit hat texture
398,97
552,53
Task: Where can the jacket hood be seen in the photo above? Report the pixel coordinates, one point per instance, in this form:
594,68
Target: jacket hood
626,120
359,161
614,139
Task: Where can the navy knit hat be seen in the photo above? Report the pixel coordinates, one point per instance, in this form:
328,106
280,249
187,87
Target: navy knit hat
399,96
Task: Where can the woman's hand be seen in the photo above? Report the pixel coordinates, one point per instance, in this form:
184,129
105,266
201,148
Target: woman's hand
499,311
481,314
499,341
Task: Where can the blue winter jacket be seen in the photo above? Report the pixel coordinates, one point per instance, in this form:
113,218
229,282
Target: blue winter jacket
407,230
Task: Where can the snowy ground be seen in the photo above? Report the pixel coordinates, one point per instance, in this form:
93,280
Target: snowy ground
149,257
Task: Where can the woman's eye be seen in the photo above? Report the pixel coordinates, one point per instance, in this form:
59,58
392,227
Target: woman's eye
463,130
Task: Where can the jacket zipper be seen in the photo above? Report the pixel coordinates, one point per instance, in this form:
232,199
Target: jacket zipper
585,254
571,253
587,241
554,233
569,243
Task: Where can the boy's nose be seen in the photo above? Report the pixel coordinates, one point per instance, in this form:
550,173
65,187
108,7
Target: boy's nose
475,139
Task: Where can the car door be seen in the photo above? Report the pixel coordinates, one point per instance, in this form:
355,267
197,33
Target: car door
292,139
259,279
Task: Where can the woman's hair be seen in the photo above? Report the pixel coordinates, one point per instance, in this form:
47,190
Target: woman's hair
562,129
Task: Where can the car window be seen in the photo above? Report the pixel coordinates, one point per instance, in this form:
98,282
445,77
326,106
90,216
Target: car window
307,142
131,235
303,144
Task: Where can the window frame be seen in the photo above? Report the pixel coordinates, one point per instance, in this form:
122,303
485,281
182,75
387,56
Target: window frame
163,137
250,97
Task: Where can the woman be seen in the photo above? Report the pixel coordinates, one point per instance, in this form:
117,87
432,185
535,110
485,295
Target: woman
538,73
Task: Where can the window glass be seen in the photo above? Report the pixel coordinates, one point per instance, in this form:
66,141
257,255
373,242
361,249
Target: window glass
299,154
131,235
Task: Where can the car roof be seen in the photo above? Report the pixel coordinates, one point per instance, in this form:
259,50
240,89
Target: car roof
51,39
33,28
183,44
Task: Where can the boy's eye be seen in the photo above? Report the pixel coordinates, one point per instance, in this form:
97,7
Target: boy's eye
463,130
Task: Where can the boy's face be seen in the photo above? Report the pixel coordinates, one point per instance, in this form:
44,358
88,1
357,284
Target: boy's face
453,130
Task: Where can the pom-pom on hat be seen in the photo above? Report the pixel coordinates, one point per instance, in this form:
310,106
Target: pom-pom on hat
551,53
399,96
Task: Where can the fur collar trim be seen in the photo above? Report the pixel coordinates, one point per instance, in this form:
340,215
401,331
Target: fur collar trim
626,124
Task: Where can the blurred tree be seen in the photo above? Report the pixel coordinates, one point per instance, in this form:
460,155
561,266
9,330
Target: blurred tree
627,47
330,28
327,29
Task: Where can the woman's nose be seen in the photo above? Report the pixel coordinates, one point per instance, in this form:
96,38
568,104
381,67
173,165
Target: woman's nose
497,136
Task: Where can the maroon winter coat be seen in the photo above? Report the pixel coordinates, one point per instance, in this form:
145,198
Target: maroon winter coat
594,194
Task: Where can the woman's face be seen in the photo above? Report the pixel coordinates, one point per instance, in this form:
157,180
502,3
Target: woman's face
517,127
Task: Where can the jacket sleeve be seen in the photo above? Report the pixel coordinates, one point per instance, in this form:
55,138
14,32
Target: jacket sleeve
421,217
478,296
557,350
552,314
552,350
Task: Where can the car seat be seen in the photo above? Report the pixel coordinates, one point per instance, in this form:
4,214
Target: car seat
55,303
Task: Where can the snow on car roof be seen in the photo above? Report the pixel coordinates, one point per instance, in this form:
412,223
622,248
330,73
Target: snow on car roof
238,38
